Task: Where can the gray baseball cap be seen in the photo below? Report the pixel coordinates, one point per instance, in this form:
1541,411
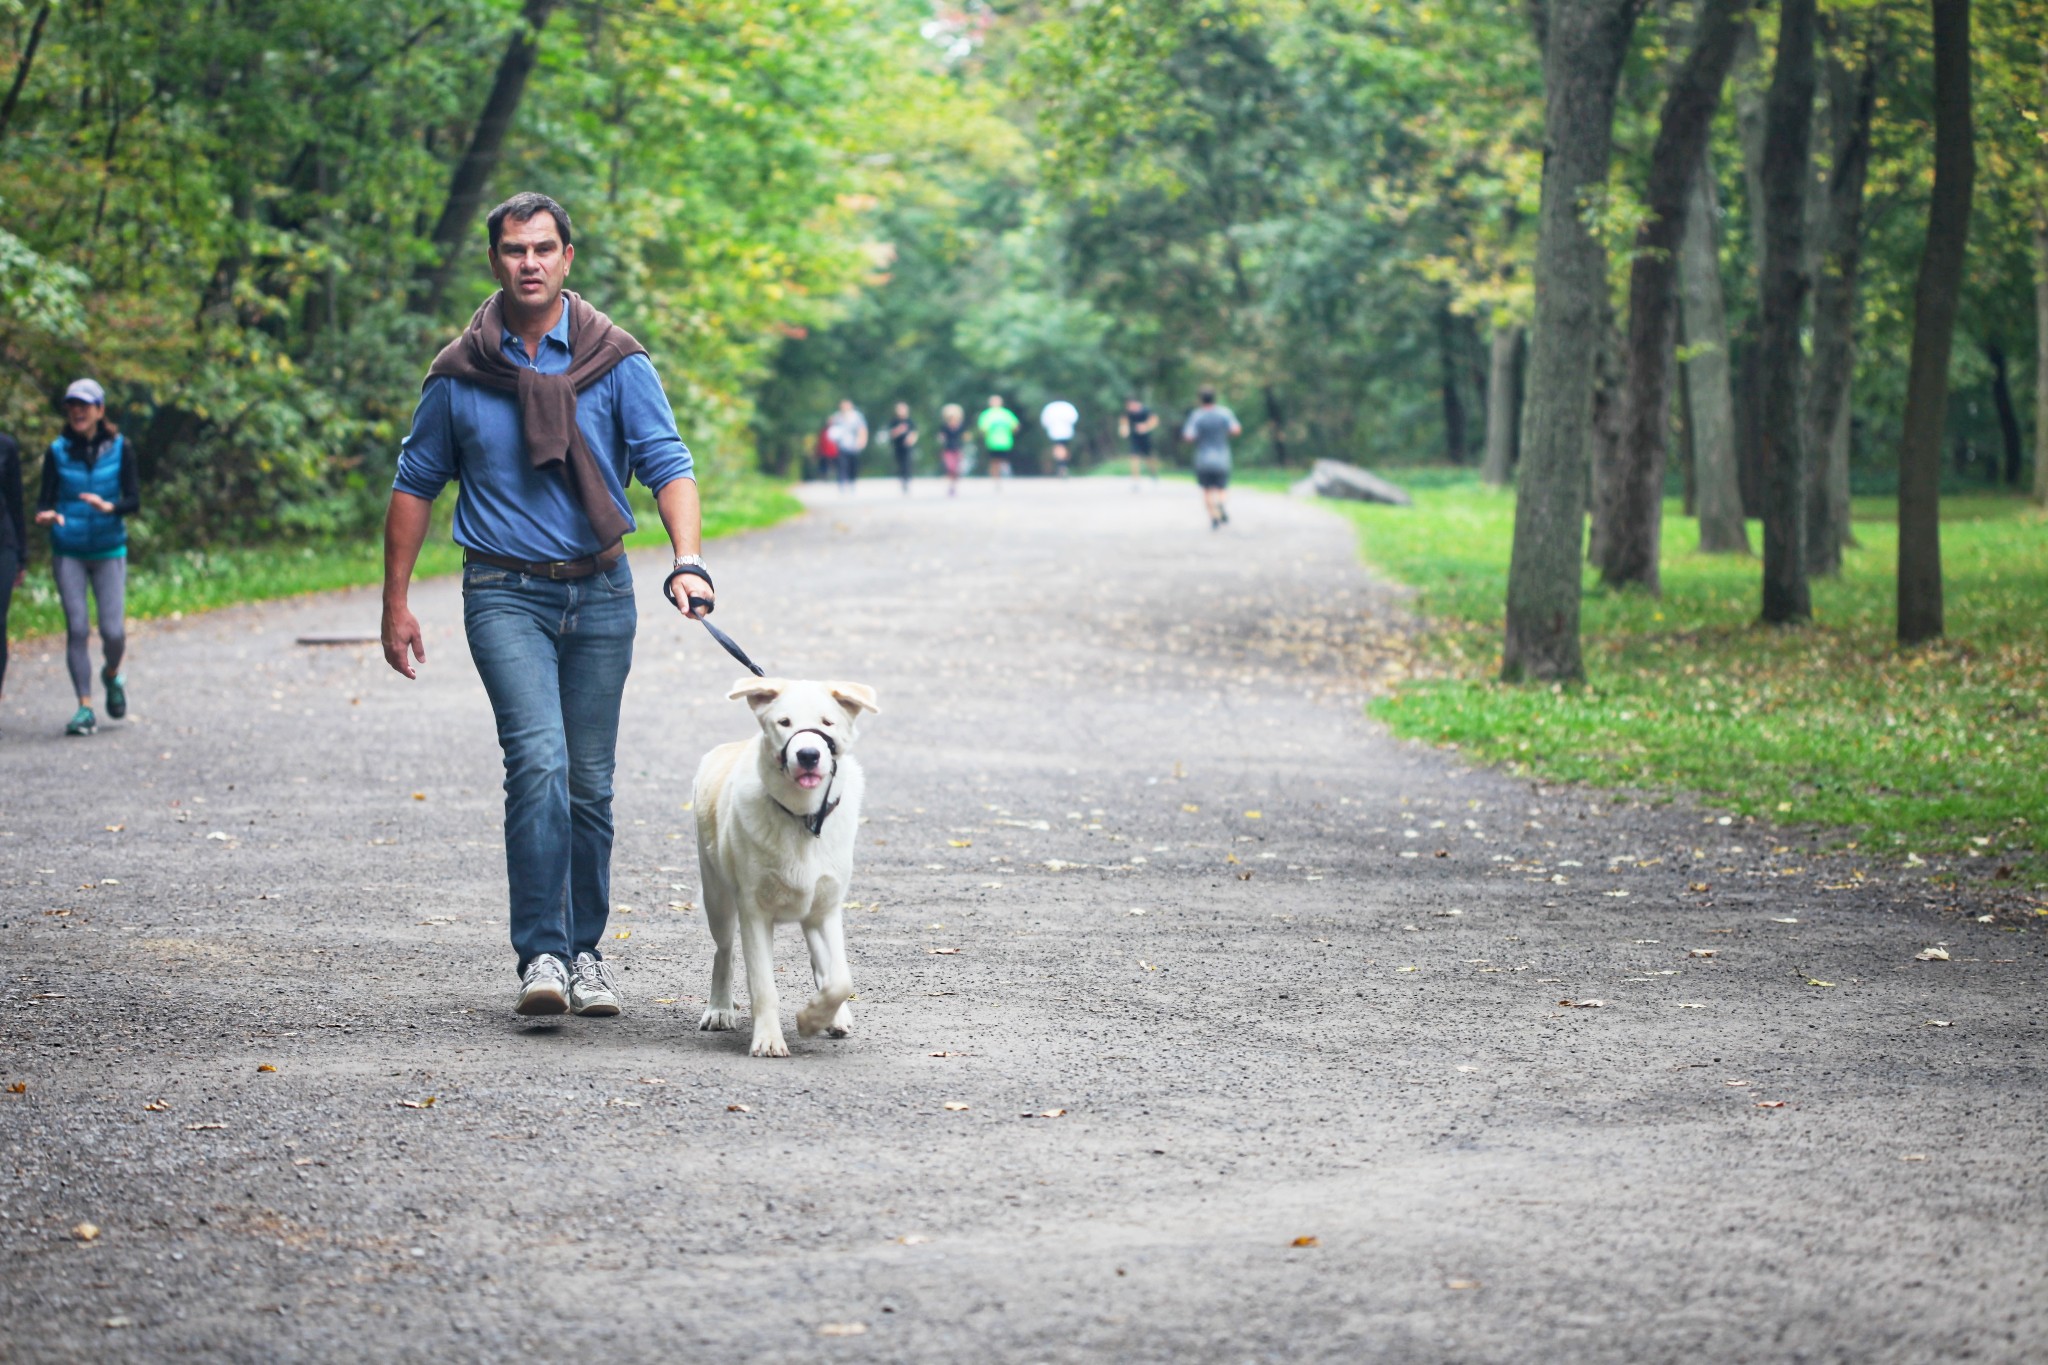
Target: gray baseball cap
86,391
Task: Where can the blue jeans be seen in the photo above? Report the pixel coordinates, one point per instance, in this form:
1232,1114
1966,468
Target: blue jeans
554,656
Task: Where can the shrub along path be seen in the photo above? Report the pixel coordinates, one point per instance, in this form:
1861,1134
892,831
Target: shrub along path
1198,1018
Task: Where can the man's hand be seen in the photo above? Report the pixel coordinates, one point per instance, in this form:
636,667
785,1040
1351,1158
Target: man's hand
401,635
687,586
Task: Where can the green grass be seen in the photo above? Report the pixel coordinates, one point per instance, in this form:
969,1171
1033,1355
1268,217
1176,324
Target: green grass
1936,751
180,582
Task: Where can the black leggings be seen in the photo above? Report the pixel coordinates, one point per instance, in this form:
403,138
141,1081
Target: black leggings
10,565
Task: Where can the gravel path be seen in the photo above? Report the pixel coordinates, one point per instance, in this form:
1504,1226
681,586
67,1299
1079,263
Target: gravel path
1132,853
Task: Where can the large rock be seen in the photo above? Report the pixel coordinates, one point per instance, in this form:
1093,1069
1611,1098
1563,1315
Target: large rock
1335,479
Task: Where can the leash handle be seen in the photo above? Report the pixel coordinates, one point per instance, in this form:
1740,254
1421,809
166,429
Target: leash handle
731,646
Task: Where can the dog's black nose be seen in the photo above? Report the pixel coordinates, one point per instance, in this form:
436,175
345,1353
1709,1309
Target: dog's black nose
807,758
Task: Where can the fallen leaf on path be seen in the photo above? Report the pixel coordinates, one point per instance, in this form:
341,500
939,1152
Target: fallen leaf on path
1770,1104
86,1232
1702,952
913,1239
419,796
1940,1023
203,1127
156,1106
956,1107
266,1067
1783,919
18,1088
943,952
1914,1156
1191,810
114,829
1738,1082
737,1109
654,1080
623,933
1046,1114
1816,981
1931,955
1407,969
427,1103
1583,1004
1461,1284
1254,815
1305,1242
1698,886
946,1054
120,1320
842,1329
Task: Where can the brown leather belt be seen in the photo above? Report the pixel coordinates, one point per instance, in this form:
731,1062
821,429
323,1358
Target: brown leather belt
551,568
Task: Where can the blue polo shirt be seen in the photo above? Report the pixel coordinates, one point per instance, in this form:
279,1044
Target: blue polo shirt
471,434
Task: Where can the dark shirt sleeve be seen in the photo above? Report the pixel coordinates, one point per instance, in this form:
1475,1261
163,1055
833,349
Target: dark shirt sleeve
46,500
131,484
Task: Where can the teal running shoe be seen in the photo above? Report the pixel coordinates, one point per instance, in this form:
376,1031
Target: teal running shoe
117,694
82,723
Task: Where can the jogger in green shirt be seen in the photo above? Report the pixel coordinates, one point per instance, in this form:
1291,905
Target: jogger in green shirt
999,435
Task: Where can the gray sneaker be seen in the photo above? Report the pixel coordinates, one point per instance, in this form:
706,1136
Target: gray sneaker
592,989
543,987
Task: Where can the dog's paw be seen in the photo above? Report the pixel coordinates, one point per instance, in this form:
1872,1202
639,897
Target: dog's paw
818,1017
719,1021
769,1045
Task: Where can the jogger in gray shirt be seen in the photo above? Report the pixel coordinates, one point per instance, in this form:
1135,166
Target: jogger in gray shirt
1209,429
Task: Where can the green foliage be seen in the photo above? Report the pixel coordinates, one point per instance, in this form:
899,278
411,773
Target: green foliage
220,211
1933,751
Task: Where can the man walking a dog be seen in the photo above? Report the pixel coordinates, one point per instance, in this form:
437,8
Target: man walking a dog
542,409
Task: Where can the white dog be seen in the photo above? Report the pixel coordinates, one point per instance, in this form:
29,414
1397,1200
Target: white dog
776,817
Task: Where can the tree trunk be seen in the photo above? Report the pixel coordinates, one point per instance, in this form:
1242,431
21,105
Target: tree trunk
1454,403
1632,502
1934,320
473,172
22,68
1278,420
1710,400
2041,362
1788,132
1503,405
1585,44
1603,464
1748,376
2008,420
1852,96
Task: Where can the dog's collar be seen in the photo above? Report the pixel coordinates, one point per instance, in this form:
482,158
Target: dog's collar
814,822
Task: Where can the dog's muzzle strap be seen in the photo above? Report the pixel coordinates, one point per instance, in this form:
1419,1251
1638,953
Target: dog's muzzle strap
814,822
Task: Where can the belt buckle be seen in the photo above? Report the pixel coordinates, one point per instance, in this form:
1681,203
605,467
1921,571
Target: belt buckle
555,567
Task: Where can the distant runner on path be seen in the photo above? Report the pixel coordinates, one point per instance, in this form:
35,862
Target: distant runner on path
849,429
90,489
1059,420
1136,424
13,539
903,440
1209,429
542,409
952,445
998,436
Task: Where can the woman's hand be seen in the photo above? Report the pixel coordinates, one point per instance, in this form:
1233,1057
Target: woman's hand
49,518
96,502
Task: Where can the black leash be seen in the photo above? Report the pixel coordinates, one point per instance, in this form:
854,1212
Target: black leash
668,590
815,823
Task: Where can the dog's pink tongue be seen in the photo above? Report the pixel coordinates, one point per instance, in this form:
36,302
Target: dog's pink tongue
808,780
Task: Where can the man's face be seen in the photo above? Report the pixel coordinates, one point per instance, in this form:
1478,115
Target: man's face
531,263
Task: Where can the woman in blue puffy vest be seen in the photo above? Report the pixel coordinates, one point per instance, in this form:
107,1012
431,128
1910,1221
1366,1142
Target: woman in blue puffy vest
90,488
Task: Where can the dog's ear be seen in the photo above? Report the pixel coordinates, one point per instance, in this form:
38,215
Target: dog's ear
758,691
855,697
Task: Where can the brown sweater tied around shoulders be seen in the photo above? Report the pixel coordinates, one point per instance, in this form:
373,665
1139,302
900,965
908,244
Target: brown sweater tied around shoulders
547,402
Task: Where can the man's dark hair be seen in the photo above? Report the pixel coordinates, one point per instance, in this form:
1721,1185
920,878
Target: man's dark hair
1208,393
521,207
